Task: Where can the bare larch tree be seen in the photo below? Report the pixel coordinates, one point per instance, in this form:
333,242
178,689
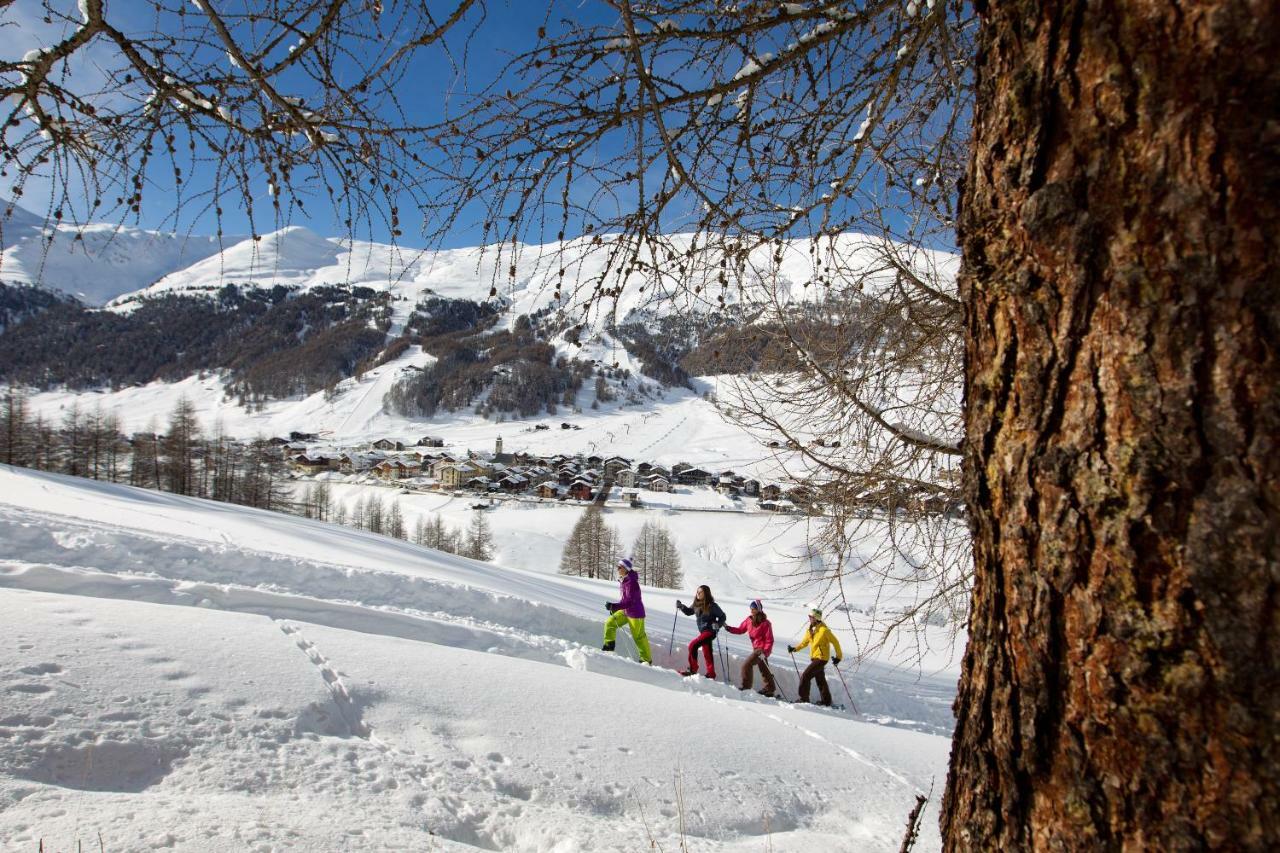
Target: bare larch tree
1122,292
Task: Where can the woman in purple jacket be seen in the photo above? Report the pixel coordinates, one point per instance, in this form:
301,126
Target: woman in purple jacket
628,611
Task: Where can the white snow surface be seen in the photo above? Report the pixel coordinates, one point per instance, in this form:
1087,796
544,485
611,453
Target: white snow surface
181,674
105,262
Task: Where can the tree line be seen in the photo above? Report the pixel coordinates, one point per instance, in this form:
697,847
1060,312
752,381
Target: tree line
186,460
379,515
183,459
594,547
272,343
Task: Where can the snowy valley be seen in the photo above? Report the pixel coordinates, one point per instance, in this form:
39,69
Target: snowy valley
197,675
181,674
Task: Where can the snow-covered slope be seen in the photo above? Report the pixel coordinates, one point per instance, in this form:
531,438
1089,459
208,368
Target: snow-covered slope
527,276
105,262
198,676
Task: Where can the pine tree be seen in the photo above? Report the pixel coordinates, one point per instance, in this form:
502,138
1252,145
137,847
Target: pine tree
74,443
375,515
479,541
655,557
322,501
144,462
179,449
14,429
395,521
591,550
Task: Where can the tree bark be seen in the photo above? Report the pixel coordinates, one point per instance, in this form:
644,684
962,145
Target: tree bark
1121,285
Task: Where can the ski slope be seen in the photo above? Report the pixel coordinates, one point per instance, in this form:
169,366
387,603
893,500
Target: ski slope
188,675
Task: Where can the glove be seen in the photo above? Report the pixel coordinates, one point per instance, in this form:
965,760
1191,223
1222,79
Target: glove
835,661
610,606
791,650
680,604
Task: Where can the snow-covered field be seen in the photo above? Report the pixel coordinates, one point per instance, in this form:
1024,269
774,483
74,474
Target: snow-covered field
181,674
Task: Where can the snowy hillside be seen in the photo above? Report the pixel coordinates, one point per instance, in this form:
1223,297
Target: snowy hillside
298,257
103,263
189,675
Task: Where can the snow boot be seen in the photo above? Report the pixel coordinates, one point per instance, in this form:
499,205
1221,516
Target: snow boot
768,693
688,672
607,647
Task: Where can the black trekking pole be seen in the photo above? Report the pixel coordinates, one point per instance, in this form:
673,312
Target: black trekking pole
671,644
852,706
796,667
724,660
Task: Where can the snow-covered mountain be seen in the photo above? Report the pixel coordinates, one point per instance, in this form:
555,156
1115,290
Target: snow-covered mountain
132,268
94,263
188,675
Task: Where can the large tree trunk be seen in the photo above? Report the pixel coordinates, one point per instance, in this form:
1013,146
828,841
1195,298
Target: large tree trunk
1122,284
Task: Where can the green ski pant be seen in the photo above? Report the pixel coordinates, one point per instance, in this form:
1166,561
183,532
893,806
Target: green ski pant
616,621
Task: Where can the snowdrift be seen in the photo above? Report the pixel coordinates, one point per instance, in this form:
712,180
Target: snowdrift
180,674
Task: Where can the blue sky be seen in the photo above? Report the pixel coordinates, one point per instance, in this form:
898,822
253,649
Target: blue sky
480,47
492,36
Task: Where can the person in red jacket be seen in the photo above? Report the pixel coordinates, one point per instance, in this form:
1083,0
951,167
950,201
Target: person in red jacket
760,630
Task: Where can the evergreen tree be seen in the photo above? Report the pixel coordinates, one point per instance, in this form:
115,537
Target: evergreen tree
180,449
375,515
144,462
655,558
591,550
479,540
15,443
74,445
323,499
395,521
115,445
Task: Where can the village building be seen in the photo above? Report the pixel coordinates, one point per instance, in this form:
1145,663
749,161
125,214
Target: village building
308,465
550,490
396,469
692,476
657,483
582,490
614,464
455,474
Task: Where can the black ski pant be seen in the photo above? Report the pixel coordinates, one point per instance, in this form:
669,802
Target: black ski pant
815,671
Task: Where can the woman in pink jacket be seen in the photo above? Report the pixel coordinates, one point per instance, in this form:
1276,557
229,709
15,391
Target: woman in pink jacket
757,627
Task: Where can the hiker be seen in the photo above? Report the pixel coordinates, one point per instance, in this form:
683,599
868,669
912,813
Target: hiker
710,620
820,639
758,628
629,611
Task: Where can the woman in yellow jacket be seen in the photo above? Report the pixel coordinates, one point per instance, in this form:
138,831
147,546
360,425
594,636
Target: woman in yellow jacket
820,641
